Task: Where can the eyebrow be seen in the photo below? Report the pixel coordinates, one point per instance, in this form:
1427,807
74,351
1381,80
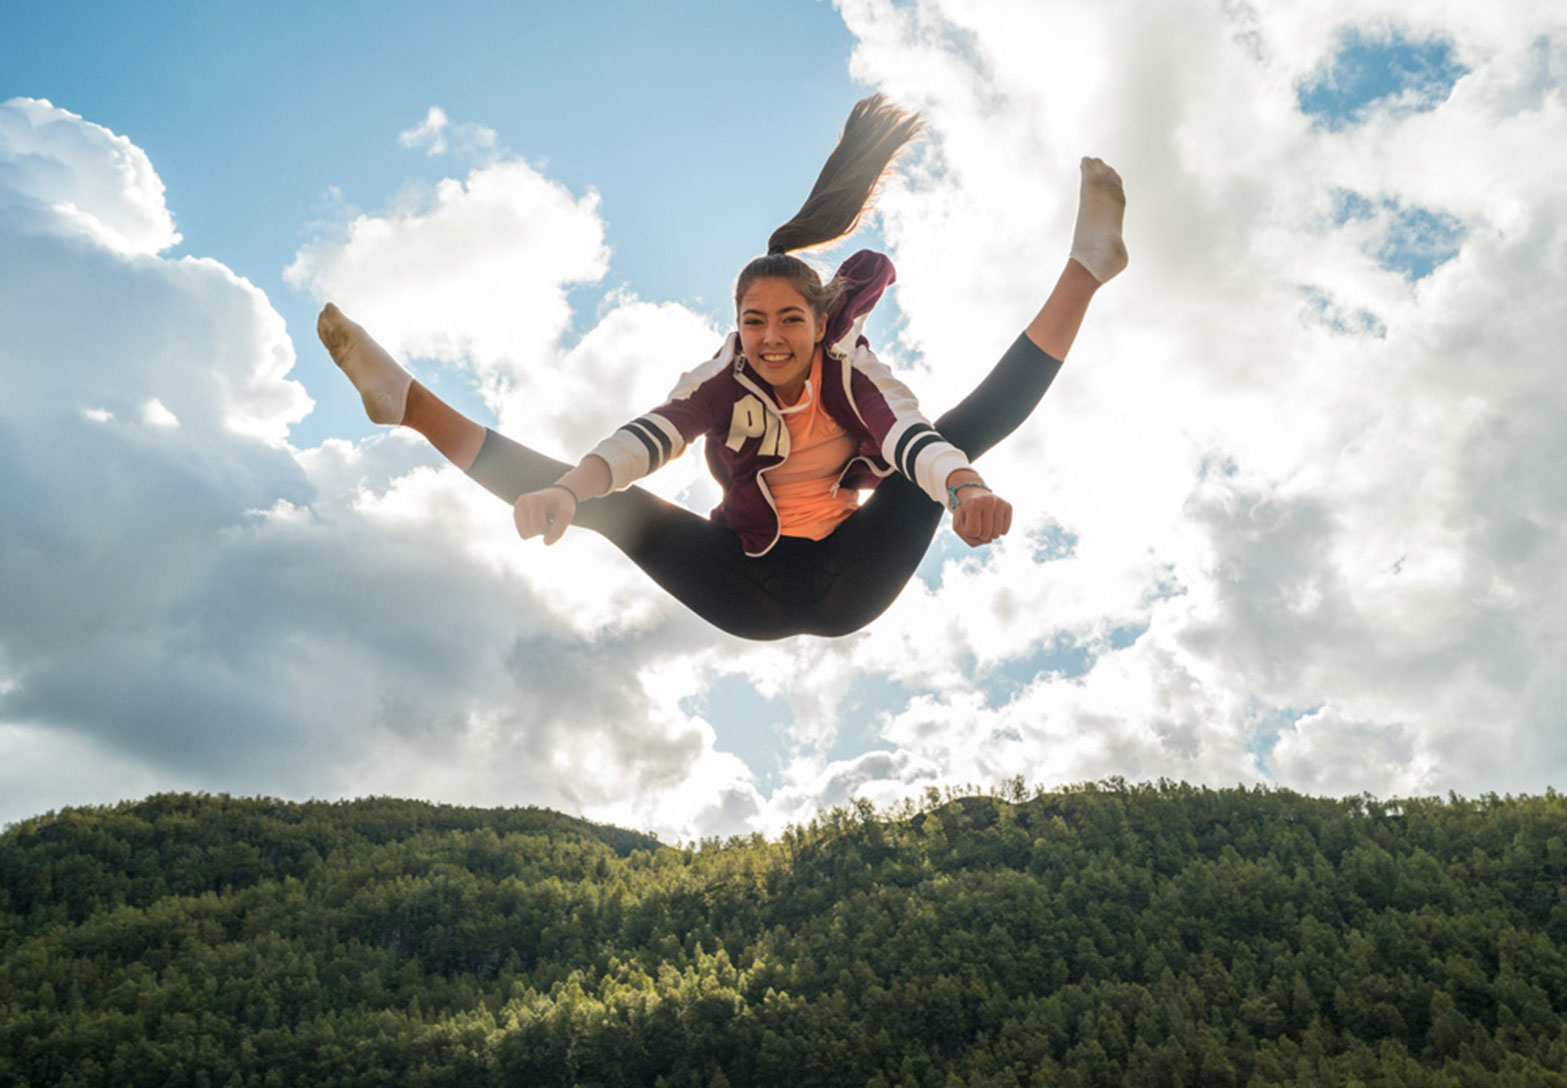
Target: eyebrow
785,310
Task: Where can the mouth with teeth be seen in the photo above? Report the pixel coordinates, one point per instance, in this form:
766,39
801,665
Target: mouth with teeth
774,359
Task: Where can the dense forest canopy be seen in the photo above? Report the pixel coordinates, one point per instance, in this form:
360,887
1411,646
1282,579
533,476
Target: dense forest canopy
1102,935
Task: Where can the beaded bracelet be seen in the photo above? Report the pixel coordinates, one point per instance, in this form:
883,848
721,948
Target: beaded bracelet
953,489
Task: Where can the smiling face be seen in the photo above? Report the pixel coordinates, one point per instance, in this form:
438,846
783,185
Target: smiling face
779,333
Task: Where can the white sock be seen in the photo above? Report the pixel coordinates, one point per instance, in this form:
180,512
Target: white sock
1101,203
382,383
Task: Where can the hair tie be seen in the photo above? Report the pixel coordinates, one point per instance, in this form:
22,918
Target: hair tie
776,251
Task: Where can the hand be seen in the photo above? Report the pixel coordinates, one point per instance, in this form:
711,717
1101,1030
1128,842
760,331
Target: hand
547,513
981,516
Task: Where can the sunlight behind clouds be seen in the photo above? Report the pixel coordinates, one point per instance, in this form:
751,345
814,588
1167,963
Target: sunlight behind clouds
1279,411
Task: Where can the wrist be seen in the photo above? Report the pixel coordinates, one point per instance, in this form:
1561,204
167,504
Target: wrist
588,480
954,490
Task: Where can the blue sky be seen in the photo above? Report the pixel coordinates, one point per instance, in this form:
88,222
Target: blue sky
1288,517
254,114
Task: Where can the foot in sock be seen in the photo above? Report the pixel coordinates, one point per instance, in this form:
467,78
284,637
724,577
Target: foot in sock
382,383
1101,203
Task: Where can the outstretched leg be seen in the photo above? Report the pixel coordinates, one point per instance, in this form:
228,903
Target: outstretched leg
1098,253
1000,403
698,562
390,394
505,468
875,552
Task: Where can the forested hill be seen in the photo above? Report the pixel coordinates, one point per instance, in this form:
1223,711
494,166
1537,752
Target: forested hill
1103,935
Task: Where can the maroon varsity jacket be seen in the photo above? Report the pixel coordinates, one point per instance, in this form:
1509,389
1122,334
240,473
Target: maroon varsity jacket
726,400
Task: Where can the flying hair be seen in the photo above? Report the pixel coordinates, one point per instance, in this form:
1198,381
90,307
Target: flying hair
872,137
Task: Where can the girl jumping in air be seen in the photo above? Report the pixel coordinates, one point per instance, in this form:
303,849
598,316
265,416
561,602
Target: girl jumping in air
799,417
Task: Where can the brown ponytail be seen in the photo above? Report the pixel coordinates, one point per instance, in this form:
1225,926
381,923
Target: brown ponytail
872,137
874,134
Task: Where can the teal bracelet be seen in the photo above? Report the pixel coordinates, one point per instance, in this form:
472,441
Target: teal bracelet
953,489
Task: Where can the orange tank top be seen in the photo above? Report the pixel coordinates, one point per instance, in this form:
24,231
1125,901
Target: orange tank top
802,486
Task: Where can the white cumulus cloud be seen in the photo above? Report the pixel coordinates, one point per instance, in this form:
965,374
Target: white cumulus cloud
193,602
64,175
1312,480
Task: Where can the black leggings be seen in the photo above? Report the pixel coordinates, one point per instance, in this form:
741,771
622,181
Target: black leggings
818,587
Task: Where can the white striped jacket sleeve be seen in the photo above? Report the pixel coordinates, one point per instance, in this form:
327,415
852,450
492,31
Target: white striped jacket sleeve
654,439
911,445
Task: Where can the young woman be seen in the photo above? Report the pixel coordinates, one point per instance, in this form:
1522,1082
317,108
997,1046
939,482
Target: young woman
799,416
